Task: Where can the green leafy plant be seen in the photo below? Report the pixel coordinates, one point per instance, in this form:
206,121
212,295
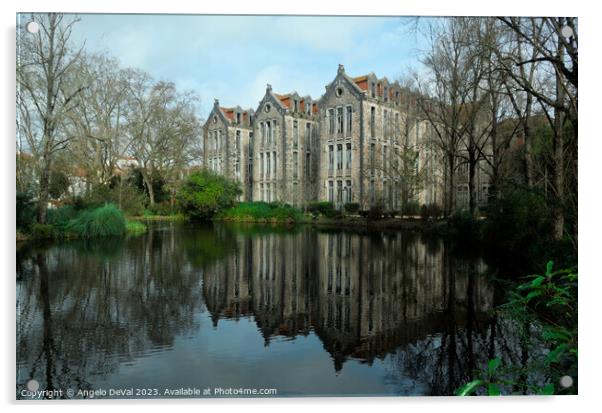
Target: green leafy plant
205,193
546,305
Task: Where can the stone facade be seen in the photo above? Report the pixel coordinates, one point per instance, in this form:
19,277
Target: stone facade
228,144
349,146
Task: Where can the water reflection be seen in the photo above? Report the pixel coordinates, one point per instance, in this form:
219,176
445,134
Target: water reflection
405,306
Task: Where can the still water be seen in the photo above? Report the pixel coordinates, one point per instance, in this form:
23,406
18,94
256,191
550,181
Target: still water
300,310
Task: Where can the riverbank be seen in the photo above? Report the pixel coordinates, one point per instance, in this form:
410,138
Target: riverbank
70,223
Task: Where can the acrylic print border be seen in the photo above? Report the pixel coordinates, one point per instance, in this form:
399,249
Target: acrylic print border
286,110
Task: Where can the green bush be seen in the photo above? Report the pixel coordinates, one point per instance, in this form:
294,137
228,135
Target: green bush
42,231
430,211
519,221
135,228
162,209
60,217
410,208
375,212
323,208
351,207
261,211
26,211
205,193
105,221
464,227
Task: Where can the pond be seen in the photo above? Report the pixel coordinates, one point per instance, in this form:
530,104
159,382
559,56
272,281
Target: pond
222,310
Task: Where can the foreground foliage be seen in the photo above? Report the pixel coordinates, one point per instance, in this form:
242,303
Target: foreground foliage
544,309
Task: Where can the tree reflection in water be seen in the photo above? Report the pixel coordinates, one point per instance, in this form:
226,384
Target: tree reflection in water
87,307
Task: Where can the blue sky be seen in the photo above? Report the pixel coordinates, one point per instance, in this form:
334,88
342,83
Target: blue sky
233,57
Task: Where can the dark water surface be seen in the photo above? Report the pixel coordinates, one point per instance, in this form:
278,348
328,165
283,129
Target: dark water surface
301,310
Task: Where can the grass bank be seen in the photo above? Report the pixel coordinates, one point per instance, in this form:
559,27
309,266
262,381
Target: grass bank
261,212
69,222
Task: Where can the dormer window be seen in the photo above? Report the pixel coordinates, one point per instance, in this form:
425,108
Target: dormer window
267,108
295,105
238,118
339,91
372,90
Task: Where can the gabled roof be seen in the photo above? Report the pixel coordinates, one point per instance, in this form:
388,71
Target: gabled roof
228,114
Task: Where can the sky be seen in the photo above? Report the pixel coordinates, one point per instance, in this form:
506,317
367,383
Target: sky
232,58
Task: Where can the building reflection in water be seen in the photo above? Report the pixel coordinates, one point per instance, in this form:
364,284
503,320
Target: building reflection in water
364,294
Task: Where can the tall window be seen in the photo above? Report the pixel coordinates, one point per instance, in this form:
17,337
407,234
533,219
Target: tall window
261,192
295,165
274,168
308,164
268,196
263,133
262,165
268,165
295,134
348,192
330,158
386,93
219,140
237,147
372,90
307,134
269,132
385,158
339,157
339,120
348,156
330,191
397,126
386,123
372,120
348,119
339,192
372,159
331,121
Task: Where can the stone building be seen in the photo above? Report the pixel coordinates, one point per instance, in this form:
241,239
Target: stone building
362,142
286,149
228,144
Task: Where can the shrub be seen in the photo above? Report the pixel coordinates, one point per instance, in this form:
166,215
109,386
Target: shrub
105,221
351,207
135,227
42,231
410,208
464,226
519,221
26,211
162,209
205,193
325,209
430,211
375,212
130,199
261,211
60,217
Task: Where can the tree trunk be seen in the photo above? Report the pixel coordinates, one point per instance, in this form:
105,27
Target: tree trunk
559,154
149,187
450,193
472,166
43,191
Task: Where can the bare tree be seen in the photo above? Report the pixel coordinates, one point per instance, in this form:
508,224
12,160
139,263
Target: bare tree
553,82
47,92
